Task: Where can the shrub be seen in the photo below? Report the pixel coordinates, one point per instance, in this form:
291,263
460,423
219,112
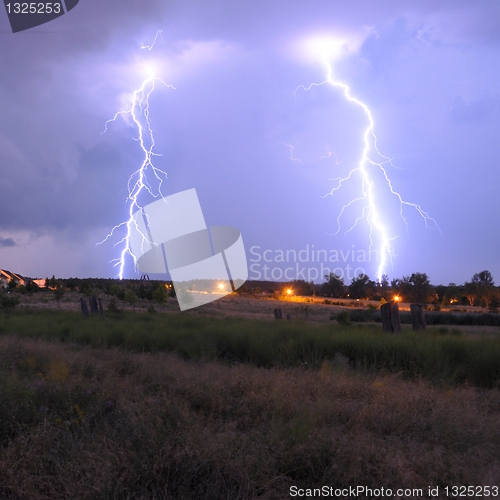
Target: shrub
112,307
8,302
343,317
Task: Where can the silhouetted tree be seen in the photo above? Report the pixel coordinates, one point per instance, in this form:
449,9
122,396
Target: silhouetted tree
334,286
130,297
59,293
160,294
359,287
421,289
483,285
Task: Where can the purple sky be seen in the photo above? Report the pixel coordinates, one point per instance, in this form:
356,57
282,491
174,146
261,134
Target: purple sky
427,70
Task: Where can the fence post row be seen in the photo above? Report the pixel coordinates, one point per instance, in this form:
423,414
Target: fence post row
95,306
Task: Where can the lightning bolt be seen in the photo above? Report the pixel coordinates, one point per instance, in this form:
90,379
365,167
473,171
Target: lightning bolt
329,154
365,173
138,116
150,47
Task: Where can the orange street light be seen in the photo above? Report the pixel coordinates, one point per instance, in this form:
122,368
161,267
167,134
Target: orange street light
289,291
397,298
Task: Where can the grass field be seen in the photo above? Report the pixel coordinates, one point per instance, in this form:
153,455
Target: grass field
167,406
440,354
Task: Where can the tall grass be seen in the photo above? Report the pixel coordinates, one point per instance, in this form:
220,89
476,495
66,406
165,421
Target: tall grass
98,424
432,355
431,318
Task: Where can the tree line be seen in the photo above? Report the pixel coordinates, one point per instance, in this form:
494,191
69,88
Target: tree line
479,291
126,291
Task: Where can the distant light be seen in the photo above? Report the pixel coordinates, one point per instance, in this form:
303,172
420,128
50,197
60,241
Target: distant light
221,286
397,298
289,291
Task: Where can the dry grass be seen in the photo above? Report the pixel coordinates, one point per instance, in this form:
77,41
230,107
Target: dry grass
104,423
233,305
314,309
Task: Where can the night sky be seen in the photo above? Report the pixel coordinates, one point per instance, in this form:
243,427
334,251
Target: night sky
261,151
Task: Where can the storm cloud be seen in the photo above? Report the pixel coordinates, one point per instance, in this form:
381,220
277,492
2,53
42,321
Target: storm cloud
426,69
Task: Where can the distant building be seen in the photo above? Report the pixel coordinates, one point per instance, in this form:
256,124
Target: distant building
6,276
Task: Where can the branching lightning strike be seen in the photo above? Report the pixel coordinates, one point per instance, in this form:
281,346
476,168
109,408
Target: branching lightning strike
138,182
325,157
150,47
370,211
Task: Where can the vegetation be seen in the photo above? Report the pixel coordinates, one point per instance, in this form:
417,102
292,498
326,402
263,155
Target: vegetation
96,424
144,405
433,355
431,318
480,291
59,293
8,301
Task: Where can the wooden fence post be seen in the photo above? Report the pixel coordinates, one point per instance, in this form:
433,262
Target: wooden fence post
391,322
94,308
99,304
417,317
385,311
83,305
278,314
396,322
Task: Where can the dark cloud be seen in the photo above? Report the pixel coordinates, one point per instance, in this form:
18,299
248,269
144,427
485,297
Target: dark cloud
7,242
222,130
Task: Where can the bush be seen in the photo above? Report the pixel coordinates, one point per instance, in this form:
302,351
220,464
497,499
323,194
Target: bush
112,307
343,317
433,318
8,302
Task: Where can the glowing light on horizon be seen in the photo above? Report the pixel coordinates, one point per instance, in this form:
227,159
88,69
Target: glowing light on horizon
326,49
138,183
